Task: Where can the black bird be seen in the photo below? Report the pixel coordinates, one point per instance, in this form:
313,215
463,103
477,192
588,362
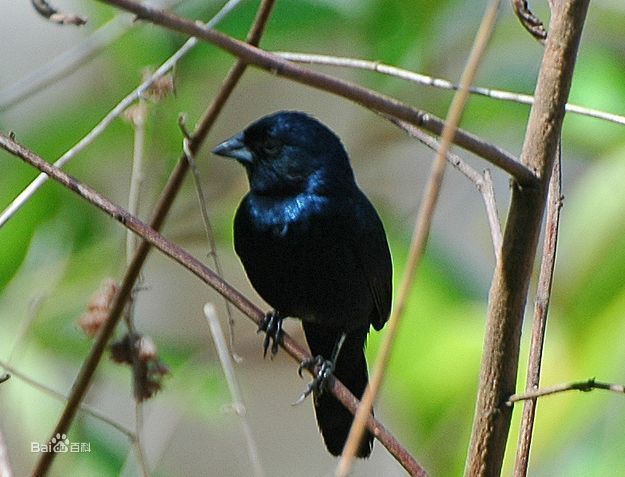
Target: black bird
314,248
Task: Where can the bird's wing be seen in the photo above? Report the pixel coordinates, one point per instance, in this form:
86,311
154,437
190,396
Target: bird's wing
371,249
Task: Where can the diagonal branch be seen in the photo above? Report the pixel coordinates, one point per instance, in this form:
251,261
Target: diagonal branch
366,97
207,276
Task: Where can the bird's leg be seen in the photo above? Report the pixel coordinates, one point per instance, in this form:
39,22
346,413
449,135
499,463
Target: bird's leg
326,368
272,326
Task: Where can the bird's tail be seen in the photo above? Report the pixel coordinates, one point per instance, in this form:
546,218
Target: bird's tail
333,418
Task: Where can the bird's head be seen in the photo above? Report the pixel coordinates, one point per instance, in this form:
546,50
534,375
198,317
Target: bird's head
289,152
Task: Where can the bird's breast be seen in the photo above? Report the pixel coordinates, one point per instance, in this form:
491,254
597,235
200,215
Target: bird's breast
282,216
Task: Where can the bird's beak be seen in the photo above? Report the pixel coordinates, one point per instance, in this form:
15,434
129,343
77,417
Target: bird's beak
235,147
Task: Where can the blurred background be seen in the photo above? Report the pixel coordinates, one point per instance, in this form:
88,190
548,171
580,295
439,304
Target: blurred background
57,249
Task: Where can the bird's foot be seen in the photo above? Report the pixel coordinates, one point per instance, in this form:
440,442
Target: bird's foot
321,379
272,326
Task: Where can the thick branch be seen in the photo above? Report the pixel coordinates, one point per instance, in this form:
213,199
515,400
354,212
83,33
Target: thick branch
509,287
210,278
370,99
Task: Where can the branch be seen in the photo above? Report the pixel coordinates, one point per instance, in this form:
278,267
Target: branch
203,273
584,386
417,78
366,97
541,308
508,293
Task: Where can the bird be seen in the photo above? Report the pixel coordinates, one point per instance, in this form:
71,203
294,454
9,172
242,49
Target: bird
314,248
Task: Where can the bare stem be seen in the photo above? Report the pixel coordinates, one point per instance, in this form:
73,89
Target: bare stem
87,370
62,397
541,309
584,386
48,11
233,385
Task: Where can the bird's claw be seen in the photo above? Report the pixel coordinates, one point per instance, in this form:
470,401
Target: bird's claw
272,326
321,379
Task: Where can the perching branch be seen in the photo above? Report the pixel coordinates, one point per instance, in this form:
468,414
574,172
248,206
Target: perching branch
203,273
584,386
508,293
366,97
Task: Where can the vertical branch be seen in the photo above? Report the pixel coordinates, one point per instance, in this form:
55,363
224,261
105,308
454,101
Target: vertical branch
541,308
238,404
510,283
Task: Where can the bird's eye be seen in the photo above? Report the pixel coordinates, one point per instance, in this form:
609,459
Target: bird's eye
271,146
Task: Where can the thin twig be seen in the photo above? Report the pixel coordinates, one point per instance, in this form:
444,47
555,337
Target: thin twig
93,412
137,116
233,385
48,11
203,273
440,83
483,183
366,97
541,309
420,236
584,386
488,195
210,236
134,95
